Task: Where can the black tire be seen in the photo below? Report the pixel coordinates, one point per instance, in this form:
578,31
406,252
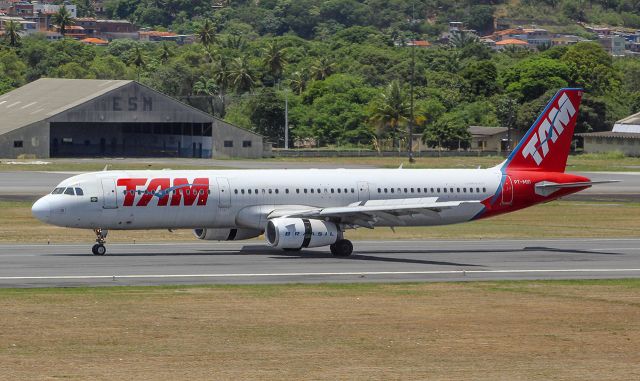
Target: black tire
292,249
99,250
342,248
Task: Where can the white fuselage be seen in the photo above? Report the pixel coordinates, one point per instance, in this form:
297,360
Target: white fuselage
237,199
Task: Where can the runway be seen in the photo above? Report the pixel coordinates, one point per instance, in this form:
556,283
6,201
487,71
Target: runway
372,261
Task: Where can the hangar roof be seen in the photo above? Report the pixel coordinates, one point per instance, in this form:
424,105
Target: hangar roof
46,97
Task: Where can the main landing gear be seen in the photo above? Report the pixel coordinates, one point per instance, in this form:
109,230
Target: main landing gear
342,248
101,239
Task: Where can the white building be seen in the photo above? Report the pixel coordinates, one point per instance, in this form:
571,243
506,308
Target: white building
625,138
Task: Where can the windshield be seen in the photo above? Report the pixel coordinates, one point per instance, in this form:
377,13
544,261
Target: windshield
58,191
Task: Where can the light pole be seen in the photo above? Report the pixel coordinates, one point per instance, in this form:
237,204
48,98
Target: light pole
413,67
286,119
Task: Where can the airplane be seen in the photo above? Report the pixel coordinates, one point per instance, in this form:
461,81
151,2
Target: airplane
297,209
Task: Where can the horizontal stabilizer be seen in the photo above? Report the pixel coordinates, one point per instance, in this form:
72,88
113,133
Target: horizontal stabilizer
546,188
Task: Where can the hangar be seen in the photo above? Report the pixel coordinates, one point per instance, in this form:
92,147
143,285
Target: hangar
54,117
625,138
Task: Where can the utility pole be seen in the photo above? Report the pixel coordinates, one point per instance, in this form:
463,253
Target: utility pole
413,69
286,119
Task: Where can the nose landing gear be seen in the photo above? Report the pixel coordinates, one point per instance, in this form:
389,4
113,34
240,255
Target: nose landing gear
101,239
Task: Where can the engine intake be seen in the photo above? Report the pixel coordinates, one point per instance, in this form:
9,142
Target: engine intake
225,234
297,233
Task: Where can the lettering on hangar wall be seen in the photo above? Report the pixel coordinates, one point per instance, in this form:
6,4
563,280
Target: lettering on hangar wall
135,103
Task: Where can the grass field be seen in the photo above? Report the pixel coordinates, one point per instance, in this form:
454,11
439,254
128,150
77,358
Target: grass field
578,163
571,330
555,219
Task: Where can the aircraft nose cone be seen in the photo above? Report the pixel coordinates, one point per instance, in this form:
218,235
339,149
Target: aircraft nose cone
41,209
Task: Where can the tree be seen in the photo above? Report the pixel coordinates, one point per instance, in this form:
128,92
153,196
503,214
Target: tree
274,59
461,39
165,53
12,33
322,68
207,33
241,74
506,111
62,19
591,67
482,77
139,61
530,78
390,110
298,81
209,88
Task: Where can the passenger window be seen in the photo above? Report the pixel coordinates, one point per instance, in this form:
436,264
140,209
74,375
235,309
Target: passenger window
319,190
392,190
445,190
242,191
277,191
346,190
425,189
69,191
457,190
249,191
286,191
385,190
312,190
234,191
405,190
297,190
451,189
470,190
418,189
332,190
484,190
270,191
464,190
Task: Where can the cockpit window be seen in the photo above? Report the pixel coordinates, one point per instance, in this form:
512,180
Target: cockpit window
69,191
58,191
79,192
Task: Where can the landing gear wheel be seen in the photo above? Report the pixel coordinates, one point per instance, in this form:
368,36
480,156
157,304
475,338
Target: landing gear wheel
98,249
342,248
292,249
101,239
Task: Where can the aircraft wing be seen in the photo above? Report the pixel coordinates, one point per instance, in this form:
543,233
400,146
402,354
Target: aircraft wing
369,213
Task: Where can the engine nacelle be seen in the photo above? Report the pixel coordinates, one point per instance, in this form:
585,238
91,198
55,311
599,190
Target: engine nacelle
208,234
297,233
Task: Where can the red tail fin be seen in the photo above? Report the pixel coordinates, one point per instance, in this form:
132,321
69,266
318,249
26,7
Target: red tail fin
545,147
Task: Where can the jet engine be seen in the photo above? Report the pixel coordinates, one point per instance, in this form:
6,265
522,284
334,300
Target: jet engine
208,234
297,233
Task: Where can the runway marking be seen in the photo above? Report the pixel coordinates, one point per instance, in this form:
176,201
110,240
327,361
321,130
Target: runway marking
357,273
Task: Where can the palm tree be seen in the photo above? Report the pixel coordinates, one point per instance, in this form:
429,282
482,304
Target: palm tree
62,19
166,53
139,61
274,58
241,75
207,33
391,109
461,39
234,42
298,81
322,68
208,87
11,32
220,74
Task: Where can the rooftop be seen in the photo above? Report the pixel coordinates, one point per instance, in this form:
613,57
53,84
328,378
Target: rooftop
46,97
486,131
512,41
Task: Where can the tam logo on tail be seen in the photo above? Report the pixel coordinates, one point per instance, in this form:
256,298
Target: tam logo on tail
547,143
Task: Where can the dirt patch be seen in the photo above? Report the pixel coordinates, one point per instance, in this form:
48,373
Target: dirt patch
494,330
